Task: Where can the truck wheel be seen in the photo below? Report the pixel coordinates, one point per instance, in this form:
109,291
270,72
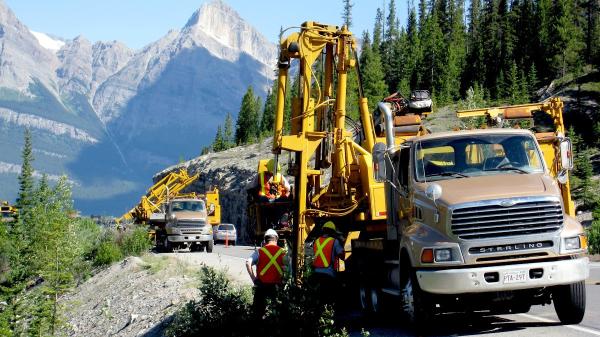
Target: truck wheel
364,297
569,302
167,245
209,246
414,302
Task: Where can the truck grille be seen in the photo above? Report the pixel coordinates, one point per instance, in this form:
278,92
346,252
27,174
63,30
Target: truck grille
495,220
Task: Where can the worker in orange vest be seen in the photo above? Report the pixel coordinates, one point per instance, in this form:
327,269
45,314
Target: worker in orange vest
270,266
273,185
327,251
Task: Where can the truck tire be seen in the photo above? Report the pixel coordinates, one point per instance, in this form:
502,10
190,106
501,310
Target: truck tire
569,302
166,245
209,246
415,303
364,297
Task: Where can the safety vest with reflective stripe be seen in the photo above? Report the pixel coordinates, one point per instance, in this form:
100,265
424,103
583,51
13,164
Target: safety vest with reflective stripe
323,249
270,264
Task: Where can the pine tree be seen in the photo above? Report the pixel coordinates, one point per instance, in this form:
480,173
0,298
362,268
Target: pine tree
389,49
378,31
247,122
56,246
567,38
546,21
218,144
422,14
26,182
257,117
434,55
532,78
491,41
347,13
372,75
455,56
228,135
267,121
475,66
524,92
413,54
513,84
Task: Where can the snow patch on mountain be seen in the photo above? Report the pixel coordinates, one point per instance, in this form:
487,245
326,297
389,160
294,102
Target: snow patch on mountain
48,42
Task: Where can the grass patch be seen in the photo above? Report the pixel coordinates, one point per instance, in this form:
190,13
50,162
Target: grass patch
153,264
591,86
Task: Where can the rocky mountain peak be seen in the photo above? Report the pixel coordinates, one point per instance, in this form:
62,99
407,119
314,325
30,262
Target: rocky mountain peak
209,9
24,60
5,13
217,22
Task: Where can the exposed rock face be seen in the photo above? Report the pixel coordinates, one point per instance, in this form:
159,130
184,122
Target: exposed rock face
55,128
231,171
75,72
22,58
225,34
108,58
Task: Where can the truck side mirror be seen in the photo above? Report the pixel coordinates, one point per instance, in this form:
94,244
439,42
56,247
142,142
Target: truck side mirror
566,154
379,173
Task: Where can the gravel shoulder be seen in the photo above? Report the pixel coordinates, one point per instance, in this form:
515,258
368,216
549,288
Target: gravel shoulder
138,296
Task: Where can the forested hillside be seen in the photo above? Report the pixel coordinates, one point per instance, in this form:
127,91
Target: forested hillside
501,51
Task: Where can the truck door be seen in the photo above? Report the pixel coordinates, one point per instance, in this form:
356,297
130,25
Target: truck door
403,196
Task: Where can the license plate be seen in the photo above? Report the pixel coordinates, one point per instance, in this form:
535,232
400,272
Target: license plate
518,276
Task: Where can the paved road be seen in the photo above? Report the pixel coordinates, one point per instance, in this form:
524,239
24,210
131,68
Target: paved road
540,321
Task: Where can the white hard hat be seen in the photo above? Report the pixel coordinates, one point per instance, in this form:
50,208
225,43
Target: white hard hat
271,232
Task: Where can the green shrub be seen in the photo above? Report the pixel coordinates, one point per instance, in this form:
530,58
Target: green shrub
593,233
107,253
221,310
135,242
226,310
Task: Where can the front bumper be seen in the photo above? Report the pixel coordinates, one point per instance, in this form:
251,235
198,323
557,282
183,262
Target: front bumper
472,280
424,104
221,236
190,238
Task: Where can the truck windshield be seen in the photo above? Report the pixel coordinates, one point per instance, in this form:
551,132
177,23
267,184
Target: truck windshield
476,155
189,206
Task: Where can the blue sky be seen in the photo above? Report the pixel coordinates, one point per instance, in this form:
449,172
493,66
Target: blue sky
139,22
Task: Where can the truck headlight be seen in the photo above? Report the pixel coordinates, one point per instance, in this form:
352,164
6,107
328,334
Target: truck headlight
443,255
572,243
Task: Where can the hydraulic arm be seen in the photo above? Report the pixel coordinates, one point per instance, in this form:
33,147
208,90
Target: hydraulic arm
318,139
165,189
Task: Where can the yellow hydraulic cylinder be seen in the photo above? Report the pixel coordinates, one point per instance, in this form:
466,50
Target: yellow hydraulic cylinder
281,88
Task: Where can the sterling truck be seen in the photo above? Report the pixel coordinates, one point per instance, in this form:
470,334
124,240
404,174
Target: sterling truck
480,219
184,224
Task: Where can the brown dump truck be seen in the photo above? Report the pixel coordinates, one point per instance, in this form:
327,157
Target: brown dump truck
479,220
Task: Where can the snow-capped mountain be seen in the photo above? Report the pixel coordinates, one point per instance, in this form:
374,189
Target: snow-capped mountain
109,116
